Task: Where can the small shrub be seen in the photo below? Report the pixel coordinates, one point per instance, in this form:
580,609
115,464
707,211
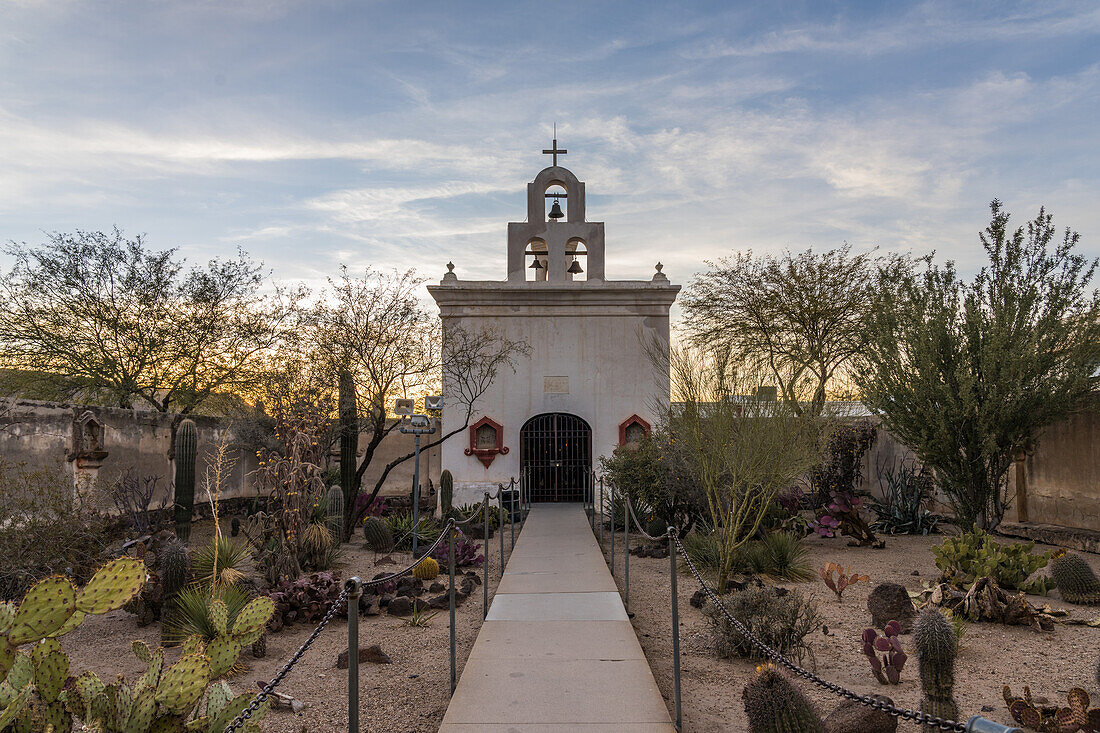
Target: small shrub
781,622
975,554
47,528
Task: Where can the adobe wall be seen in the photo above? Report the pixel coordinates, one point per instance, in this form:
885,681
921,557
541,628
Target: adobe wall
39,432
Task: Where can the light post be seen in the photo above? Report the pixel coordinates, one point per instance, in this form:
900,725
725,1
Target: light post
417,425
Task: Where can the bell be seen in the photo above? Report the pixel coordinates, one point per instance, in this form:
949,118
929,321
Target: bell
535,265
555,211
575,268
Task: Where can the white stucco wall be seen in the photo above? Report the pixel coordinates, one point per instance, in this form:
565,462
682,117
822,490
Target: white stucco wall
592,333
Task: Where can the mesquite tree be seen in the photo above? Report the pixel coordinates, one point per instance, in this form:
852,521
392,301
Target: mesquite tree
796,318
967,373
375,328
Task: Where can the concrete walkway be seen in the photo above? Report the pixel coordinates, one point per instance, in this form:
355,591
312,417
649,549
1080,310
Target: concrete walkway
557,651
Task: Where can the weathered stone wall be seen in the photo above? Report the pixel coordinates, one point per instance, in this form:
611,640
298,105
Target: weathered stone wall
1063,474
41,432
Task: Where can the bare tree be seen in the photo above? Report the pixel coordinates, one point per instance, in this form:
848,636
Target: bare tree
376,327
128,325
796,318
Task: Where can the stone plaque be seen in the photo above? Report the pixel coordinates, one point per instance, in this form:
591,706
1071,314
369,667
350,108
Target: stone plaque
555,385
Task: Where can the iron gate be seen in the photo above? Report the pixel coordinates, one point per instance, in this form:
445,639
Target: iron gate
556,457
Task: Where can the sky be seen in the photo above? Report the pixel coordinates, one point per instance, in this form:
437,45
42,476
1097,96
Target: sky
402,134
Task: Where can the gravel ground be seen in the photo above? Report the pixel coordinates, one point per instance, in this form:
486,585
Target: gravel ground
990,655
409,695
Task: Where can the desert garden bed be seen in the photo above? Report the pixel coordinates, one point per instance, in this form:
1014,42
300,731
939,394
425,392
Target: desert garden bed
409,694
990,655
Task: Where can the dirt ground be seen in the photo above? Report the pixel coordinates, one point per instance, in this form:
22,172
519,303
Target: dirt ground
989,657
411,694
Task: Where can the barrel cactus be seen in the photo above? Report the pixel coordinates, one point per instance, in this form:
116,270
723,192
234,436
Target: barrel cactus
428,569
175,565
1075,579
334,514
774,705
378,534
446,493
936,645
187,440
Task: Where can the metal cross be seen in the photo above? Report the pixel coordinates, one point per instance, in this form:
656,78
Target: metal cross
555,151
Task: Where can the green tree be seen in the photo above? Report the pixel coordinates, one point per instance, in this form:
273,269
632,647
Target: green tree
118,322
966,373
741,450
796,318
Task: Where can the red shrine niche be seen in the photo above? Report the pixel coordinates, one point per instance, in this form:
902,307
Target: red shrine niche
486,441
632,430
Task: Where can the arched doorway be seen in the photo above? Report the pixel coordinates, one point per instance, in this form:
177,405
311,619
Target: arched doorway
556,457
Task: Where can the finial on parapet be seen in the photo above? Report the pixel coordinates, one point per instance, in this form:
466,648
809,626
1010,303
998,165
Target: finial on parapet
450,275
660,277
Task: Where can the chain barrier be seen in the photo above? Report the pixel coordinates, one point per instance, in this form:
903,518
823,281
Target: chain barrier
920,718
337,604
270,686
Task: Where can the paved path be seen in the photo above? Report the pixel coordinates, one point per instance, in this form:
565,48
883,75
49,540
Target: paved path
557,651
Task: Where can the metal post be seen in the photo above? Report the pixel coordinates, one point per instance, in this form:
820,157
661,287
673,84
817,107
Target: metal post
512,496
355,590
451,593
675,627
626,552
611,498
485,568
500,528
601,514
416,491
590,495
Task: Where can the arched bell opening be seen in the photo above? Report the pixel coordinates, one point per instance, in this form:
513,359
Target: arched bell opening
536,258
557,202
576,259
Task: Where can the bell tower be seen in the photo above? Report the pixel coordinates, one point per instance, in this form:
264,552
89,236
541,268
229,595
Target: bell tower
587,383
557,251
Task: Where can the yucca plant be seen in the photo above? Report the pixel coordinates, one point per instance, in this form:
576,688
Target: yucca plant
221,562
782,555
190,612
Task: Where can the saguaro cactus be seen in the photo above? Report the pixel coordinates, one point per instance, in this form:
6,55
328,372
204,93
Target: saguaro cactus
349,435
187,439
446,492
936,646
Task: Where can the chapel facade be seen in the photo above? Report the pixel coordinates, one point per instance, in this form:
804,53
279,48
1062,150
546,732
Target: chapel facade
587,385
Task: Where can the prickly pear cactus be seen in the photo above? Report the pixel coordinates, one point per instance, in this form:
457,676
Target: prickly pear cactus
32,694
187,438
886,669
774,705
